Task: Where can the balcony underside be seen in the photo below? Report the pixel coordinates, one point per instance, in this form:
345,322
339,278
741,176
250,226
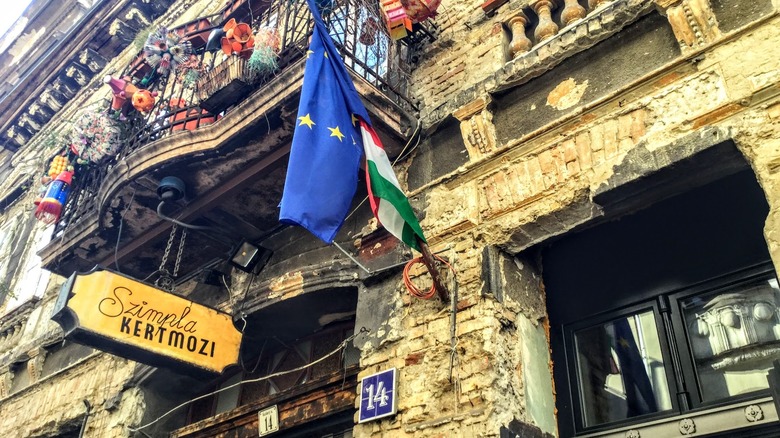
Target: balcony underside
234,173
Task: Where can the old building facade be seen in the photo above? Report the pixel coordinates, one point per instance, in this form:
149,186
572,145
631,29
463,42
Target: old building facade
600,176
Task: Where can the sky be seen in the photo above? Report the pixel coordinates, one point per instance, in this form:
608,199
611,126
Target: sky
12,9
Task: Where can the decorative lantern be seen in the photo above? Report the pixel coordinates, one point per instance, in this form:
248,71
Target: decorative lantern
400,14
50,207
368,31
96,136
238,39
164,51
124,90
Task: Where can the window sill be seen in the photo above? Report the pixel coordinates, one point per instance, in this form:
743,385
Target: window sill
734,416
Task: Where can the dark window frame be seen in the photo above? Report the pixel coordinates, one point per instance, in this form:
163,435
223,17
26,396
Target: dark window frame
679,364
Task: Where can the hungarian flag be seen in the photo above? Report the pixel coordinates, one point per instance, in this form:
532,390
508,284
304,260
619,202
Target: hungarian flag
388,202
326,152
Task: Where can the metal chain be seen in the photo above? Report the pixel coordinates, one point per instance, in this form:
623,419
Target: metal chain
181,251
168,249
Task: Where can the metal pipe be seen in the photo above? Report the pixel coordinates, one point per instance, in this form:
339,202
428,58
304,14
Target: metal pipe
86,417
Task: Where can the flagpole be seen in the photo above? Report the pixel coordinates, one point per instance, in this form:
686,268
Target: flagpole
430,263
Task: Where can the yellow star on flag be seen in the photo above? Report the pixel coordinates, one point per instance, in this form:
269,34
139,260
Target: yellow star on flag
306,120
309,53
354,120
336,132
326,54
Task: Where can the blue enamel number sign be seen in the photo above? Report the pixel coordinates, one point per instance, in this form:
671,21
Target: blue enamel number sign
377,395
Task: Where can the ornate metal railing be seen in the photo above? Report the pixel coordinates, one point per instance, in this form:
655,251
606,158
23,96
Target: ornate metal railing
356,28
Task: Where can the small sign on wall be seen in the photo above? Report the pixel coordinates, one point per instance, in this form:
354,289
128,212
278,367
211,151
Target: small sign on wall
377,395
268,420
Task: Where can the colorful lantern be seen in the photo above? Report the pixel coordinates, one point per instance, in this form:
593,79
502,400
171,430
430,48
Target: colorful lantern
238,39
123,90
400,14
96,136
164,51
50,207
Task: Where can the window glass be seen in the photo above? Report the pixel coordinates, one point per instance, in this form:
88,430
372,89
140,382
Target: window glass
734,335
621,370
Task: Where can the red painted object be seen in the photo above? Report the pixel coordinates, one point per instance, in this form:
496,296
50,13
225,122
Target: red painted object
180,114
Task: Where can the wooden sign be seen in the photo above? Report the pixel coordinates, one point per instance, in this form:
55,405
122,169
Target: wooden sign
121,315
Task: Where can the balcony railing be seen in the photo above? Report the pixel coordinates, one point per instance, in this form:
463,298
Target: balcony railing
375,58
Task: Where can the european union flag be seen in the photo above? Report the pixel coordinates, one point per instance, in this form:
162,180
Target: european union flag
326,149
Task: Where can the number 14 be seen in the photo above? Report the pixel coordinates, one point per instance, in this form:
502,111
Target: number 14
380,397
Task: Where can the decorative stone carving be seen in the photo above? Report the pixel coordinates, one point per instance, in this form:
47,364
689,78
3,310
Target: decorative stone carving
92,60
754,413
35,363
6,380
546,27
633,433
593,4
693,22
520,42
572,12
687,426
476,126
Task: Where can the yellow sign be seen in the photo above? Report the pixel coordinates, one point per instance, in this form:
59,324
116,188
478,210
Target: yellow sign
137,321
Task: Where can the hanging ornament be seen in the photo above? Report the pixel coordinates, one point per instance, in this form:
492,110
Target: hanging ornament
96,136
266,51
50,207
238,39
124,91
164,51
368,31
401,14
420,10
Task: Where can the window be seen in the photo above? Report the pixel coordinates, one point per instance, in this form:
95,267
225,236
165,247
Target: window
288,361
733,334
670,310
621,369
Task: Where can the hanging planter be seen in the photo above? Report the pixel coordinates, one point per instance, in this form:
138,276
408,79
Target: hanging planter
96,136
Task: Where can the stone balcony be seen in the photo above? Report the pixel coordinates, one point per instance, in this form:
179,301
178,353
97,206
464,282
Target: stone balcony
232,160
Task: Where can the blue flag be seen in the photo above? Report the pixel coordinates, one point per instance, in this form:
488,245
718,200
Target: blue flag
326,148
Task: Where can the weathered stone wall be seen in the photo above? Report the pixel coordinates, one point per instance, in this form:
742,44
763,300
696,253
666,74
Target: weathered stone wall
521,189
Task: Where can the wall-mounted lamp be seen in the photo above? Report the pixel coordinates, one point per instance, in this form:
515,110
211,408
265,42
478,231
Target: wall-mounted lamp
250,257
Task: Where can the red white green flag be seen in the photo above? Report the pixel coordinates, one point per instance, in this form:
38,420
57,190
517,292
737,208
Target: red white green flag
388,201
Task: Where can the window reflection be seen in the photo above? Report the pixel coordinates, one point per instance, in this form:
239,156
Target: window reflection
621,370
734,337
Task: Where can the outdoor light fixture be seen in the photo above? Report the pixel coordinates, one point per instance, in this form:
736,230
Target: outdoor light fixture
250,257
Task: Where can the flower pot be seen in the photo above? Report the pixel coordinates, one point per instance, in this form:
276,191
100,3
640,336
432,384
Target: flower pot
186,118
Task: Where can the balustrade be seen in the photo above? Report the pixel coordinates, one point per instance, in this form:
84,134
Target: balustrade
539,16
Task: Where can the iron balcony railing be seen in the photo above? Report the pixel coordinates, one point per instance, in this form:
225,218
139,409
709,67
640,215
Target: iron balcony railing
381,63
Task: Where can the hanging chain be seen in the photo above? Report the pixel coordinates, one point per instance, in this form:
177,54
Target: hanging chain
168,249
166,279
181,251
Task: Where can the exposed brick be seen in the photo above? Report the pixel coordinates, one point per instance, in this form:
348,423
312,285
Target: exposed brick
414,358
610,130
596,138
582,144
569,151
638,120
624,126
